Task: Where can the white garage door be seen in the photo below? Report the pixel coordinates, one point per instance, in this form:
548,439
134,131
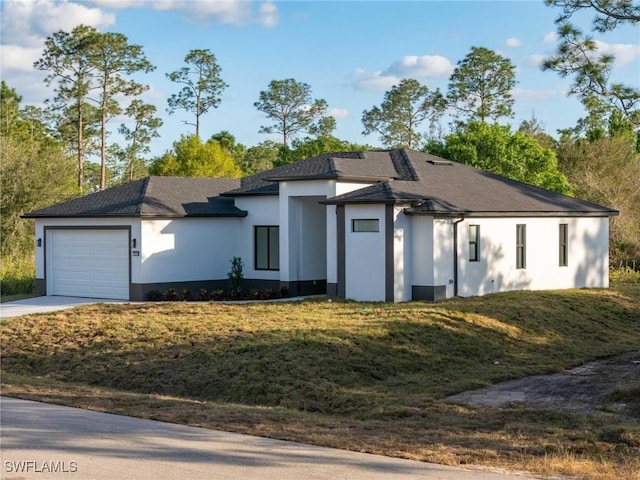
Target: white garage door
88,263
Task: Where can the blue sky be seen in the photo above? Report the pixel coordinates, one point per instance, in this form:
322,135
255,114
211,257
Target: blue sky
349,52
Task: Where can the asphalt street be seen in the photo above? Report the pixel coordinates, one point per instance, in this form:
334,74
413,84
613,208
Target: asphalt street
42,441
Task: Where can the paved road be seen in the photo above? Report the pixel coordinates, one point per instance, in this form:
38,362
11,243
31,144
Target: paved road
80,444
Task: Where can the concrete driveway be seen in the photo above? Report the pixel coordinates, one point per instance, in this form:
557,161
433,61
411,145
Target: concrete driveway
46,304
38,438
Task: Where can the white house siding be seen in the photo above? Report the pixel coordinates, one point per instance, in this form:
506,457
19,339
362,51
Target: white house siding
365,274
80,223
187,249
443,260
402,250
588,248
332,234
262,210
422,250
308,235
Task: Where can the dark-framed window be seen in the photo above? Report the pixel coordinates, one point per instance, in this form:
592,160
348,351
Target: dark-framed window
365,225
563,249
474,243
521,246
267,247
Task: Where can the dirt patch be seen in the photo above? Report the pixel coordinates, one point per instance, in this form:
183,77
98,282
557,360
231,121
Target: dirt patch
584,389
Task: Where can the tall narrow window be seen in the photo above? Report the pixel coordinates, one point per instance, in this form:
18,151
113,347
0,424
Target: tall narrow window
267,247
474,243
521,246
562,245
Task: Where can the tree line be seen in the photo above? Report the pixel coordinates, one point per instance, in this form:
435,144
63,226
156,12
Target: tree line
91,75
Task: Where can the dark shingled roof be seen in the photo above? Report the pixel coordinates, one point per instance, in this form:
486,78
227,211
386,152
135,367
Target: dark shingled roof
425,183
152,197
446,187
374,166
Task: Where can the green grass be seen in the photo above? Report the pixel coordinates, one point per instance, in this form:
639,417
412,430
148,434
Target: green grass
369,377
17,276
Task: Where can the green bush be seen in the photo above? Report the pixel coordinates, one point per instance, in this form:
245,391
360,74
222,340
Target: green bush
624,274
17,276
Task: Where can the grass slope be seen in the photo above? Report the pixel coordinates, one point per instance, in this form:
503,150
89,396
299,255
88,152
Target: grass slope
369,377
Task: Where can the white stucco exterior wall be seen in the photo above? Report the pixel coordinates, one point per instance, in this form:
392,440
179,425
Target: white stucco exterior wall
588,255
402,251
187,249
443,254
365,255
262,210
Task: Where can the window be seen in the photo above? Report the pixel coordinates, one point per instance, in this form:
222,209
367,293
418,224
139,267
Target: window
267,247
521,246
562,245
474,243
365,225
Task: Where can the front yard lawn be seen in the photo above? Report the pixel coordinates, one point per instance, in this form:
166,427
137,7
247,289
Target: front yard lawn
367,377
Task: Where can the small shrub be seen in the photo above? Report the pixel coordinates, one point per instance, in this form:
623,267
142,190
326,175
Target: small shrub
171,295
236,277
186,295
217,295
624,274
202,295
155,296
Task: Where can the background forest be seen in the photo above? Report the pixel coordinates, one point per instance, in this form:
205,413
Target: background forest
96,79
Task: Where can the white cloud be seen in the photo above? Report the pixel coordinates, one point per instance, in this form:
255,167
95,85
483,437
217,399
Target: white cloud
230,12
27,23
268,14
412,66
550,37
338,113
625,53
18,59
364,80
536,60
513,42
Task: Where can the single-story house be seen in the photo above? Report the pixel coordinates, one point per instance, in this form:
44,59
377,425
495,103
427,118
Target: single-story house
392,225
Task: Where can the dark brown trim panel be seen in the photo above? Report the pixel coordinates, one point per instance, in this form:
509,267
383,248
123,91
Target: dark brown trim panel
389,264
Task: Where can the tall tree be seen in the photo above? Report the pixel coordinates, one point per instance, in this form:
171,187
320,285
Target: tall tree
144,127
606,171
289,105
403,109
202,85
514,155
193,158
480,85
113,59
259,158
577,54
34,173
66,58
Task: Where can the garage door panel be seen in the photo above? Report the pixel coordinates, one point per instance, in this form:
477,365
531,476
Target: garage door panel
88,263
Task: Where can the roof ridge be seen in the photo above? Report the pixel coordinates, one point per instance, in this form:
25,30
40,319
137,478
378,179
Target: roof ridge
145,188
403,166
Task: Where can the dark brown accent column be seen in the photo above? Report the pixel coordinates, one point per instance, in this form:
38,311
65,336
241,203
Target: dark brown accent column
389,270
341,246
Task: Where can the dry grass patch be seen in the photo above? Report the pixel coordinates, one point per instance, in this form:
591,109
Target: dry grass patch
366,377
